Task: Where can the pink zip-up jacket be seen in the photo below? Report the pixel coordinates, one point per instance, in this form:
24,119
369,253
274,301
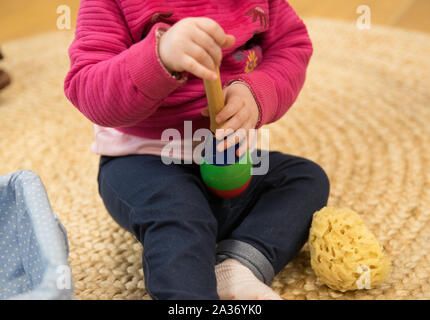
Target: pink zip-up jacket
118,82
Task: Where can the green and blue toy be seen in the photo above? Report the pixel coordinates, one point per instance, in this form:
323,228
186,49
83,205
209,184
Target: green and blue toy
225,174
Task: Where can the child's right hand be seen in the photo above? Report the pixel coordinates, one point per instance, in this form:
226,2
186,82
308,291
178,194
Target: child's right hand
194,45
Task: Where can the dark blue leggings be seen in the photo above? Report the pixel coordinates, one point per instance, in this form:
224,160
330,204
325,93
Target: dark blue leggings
186,230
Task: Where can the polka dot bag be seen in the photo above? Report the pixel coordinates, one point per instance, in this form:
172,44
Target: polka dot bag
33,243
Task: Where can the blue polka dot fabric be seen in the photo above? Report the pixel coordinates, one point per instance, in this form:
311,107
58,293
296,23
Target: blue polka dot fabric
33,243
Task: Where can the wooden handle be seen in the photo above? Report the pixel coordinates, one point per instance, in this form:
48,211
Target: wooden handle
215,99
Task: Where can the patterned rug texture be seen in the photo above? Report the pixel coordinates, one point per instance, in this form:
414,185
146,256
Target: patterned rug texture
363,115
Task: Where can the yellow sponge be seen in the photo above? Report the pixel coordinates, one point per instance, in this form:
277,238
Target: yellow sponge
345,255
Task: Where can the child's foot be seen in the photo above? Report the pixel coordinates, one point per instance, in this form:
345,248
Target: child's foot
237,282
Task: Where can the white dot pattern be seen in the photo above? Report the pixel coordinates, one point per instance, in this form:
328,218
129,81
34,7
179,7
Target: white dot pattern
33,243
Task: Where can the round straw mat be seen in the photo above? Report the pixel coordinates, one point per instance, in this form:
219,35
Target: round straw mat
363,114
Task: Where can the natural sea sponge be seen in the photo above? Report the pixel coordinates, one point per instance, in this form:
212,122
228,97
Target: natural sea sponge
345,255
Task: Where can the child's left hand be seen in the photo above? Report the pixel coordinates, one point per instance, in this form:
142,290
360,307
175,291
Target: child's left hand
240,114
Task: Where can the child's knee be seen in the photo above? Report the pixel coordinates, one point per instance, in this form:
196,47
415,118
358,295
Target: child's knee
319,181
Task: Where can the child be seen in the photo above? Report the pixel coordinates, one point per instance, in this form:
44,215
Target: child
136,69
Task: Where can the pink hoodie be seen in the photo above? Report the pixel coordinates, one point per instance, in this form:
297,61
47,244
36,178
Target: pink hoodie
118,82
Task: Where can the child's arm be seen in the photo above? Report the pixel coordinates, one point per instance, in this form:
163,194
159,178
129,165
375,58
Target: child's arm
287,49
112,81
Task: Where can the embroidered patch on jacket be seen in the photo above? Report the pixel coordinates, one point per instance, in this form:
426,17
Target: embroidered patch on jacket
258,12
251,63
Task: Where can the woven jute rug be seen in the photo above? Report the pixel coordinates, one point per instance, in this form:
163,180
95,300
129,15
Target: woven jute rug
363,115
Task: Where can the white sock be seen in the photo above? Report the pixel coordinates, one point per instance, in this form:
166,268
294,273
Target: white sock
236,282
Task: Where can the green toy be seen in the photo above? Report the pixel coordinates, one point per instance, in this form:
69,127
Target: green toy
225,174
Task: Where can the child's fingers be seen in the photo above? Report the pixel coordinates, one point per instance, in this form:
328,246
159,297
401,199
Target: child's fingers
252,138
249,143
200,55
230,109
213,29
193,66
205,112
202,39
233,123
229,41
233,139
244,145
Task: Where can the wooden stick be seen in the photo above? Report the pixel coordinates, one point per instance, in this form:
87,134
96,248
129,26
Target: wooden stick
215,98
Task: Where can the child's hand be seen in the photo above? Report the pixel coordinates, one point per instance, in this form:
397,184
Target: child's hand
240,112
194,45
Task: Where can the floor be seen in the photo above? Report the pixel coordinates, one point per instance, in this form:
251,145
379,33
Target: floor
363,116
21,18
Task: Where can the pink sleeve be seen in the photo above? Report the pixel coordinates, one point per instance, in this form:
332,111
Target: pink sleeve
112,81
287,49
